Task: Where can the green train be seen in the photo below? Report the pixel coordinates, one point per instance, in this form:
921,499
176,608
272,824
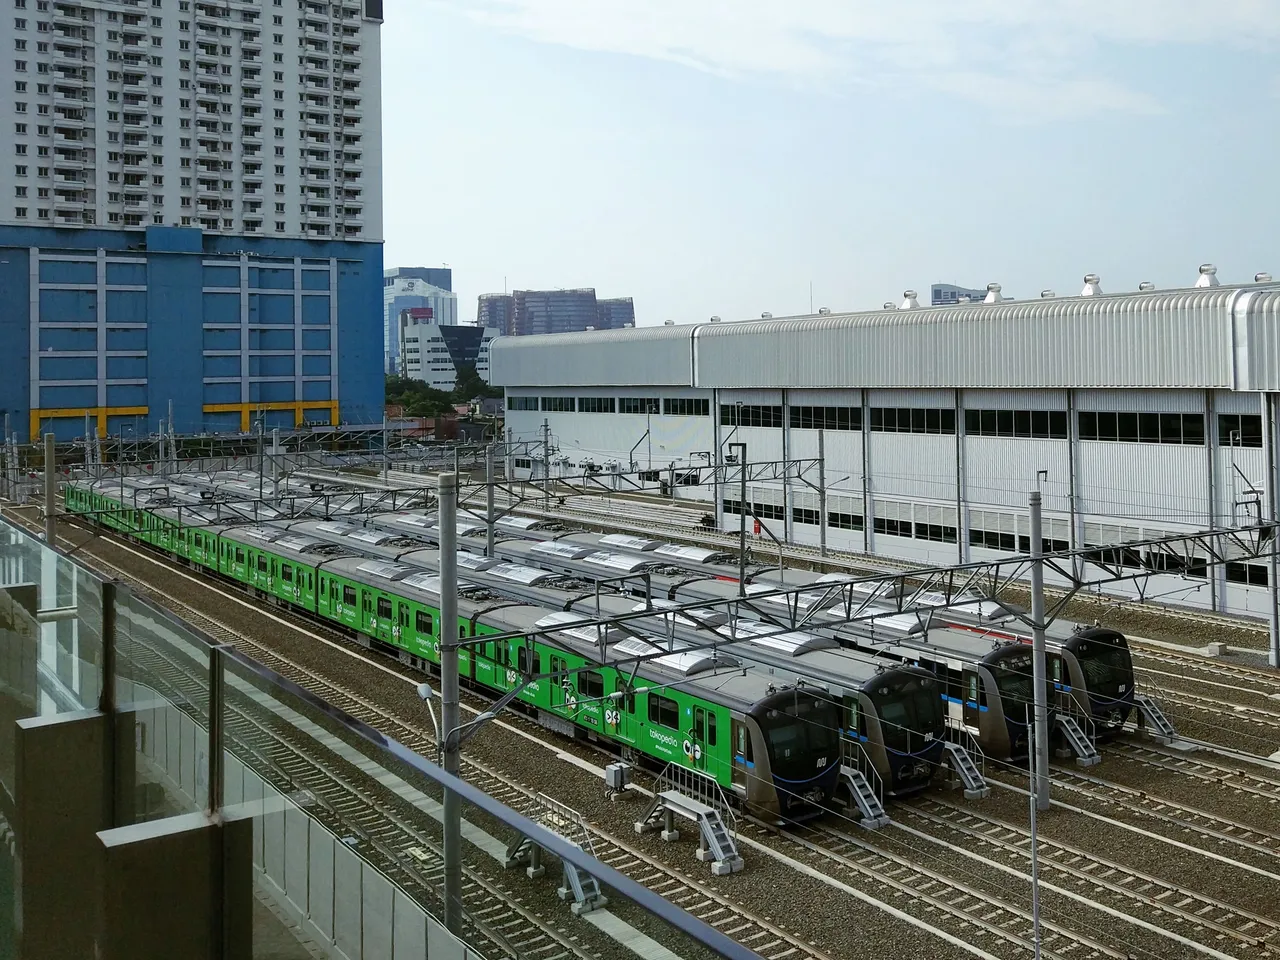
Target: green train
774,747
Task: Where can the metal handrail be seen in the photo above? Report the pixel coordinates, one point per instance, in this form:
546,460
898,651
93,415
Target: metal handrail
701,786
854,754
965,739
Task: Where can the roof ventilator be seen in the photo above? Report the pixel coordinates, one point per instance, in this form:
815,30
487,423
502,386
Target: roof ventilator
715,319
766,315
1146,286
1047,294
1092,286
1262,277
668,323
909,301
1208,276
890,305
993,293
824,311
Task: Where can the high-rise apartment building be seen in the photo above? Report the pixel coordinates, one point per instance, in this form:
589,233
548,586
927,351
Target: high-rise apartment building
404,288
552,311
190,211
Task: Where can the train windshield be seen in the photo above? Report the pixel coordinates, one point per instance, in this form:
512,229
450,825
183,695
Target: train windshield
1013,673
802,735
1106,666
910,711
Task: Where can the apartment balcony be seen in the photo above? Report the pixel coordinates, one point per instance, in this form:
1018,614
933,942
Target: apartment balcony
134,121
347,163
73,180
70,219
133,159
71,58
253,139
67,16
70,122
252,178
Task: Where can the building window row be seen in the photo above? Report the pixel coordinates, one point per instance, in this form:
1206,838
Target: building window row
1240,430
761,511
1035,424
639,405
557,404
522,403
686,407
1187,428
750,415
913,420
826,418
595,405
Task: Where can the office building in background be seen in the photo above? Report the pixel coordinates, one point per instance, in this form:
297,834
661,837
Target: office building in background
429,288
524,312
190,212
942,294
435,353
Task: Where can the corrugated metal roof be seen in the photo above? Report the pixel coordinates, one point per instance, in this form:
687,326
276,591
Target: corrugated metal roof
1176,339
633,357
1218,337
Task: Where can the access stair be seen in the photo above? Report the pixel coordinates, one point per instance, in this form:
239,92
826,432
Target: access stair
1154,720
858,775
1079,742
685,793
961,763
579,887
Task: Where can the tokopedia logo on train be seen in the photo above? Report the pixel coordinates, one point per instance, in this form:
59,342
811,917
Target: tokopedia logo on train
664,738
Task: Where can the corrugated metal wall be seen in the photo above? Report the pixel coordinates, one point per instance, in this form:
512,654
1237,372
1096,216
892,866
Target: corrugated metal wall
659,356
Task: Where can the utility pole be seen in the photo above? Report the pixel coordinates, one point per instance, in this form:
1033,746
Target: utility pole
275,464
160,451
8,461
742,516
386,454
546,464
822,493
50,492
262,467
488,497
1040,742
447,497
88,440
1035,846
1269,438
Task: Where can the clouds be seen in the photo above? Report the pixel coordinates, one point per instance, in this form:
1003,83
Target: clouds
1030,59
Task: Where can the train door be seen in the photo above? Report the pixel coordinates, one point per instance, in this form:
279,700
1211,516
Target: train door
972,698
742,762
557,695
701,737
401,632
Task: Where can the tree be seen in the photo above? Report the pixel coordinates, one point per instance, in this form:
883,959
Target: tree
469,386
418,399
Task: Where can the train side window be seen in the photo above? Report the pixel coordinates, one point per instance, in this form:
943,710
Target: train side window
972,695
239,555
286,573
591,684
537,663
629,701
664,711
522,659
422,622
854,718
711,729
384,608
262,564
741,741
349,596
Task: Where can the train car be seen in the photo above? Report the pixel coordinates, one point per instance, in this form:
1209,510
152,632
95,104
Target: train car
773,746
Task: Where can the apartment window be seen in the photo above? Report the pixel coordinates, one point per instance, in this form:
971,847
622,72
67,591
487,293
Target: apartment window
639,405
19,24
19,211
19,86
19,191
913,420
20,66
595,405
522,403
826,418
19,107
1035,424
20,44
1185,428
686,407
1240,430
279,226
20,149
802,515
20,171
557,404
750,415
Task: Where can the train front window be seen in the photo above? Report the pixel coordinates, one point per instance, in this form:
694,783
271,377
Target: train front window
1013,674
906,708
799,732
1106,667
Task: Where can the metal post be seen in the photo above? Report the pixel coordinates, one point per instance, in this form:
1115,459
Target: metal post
171,430
455,459
822,493
1269,426
447,496
386,454
1035,847
50,492
742,516
488,497
8,461
88,443
217,687
546,464
160,452
275,464
1038,671
262,466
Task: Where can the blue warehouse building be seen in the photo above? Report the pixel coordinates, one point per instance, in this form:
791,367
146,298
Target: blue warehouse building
233,330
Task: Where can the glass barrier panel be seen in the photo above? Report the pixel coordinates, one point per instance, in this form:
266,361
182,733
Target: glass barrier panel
162,706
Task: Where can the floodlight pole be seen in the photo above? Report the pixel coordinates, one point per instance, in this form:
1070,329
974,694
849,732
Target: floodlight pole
742,516
1270,439
50,491
822,493
1035,844
488,497
1040,742
447,497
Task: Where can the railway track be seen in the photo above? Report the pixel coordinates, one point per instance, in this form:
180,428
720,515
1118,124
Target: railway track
1199,768
1115,888
1212,671
412,851
1004,930
1222,709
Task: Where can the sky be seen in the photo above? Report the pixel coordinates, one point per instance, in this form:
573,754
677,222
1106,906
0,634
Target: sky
722,157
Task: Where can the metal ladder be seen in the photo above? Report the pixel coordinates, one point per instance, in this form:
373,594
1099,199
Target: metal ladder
960,761
564,821
1153,718
859,775
1080,742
